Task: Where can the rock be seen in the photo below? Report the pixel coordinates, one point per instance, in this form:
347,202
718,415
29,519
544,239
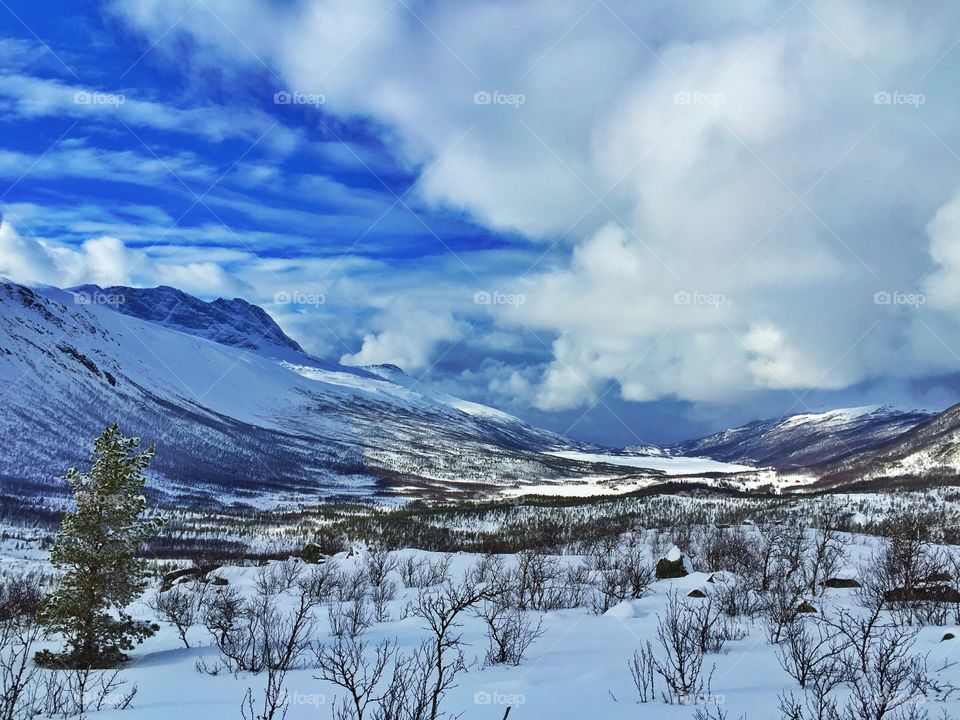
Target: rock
177,577
839,582
806,607
667,569
216,580
941,576
312,554
674,565
696,593
948,636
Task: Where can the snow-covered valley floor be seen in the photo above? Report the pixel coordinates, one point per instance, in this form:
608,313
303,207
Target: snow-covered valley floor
576,669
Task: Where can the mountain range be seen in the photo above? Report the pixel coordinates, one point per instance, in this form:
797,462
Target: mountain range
242,415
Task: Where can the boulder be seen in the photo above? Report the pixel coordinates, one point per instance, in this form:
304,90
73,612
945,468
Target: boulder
840,582
806,607
198,572
674,565
312,554
696,593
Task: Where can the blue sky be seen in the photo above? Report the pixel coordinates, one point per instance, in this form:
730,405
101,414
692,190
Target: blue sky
629,223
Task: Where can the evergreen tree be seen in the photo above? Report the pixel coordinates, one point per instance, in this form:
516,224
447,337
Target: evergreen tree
96,547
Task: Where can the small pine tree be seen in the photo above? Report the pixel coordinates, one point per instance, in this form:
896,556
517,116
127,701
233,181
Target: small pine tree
96,547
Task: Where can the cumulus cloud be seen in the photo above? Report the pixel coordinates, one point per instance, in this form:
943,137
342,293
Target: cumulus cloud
407,338
104,261
734,183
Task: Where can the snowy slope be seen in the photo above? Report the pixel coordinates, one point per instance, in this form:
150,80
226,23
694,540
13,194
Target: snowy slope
231,421
805,439
230,322
931,448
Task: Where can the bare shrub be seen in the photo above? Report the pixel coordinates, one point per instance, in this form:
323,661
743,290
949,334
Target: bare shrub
379,564
433,573
380,597
410,568
642,667
781,604
510,630
827,551
811,650
76,692
907,563
712,628
20,599
728,549
681,666
180,607
353,586
441,657
254,634
738,598
324,582
359,669
350,618
221,612
895,680
620,572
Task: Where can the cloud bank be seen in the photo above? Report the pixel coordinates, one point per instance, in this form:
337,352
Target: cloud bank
739,185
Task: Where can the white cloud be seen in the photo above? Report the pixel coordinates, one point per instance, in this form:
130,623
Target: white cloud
943,283
732,155
105,261
408,338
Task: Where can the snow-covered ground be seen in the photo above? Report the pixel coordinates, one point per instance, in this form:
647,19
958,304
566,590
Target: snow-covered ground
577,669
669,465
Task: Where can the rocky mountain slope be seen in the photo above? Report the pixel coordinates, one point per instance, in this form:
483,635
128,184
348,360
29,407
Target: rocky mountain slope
805,439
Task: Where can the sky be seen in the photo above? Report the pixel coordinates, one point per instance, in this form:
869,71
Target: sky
628,222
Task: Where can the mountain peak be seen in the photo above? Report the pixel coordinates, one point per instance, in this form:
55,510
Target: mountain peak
233,322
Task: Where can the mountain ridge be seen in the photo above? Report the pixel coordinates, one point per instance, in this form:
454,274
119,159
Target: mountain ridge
233,321
805,439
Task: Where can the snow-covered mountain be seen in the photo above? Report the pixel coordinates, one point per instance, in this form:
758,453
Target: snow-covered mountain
238,412
929,450
806,439
229,322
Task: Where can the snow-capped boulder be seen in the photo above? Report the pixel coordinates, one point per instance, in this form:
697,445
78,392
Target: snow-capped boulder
673,565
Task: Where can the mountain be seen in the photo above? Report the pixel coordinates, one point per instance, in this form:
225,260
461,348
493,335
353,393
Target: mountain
929,450
229,322
238,412
806,439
